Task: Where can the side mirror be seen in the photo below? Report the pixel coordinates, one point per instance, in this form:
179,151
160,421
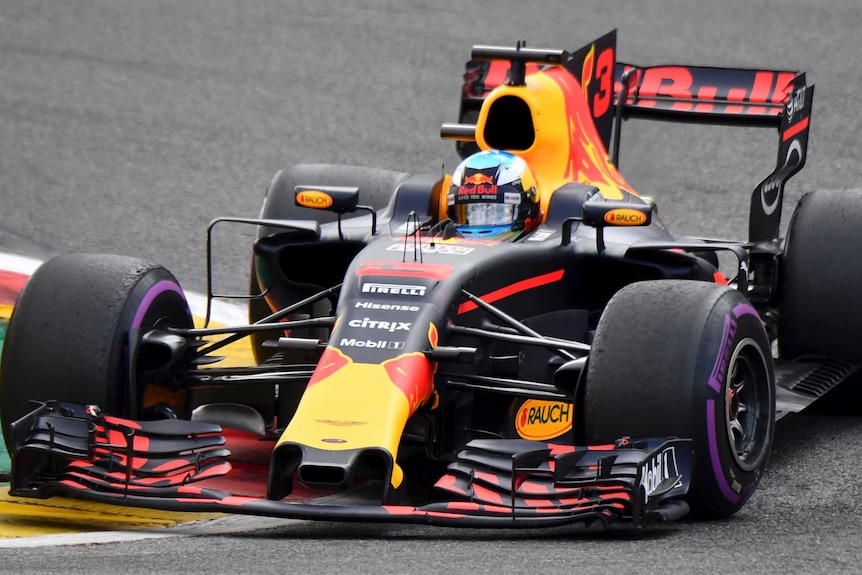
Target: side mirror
341,200
602,214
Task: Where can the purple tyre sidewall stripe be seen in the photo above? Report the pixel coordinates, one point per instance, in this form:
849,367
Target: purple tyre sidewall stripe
158,289
717,469
746,309
714,458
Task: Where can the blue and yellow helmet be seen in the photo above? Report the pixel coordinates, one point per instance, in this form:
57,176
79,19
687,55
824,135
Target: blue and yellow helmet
493,194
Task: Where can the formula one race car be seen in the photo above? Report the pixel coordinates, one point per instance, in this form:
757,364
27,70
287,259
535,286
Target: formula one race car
521,342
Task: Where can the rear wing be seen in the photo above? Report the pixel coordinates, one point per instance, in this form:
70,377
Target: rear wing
706,95
738,97
778,99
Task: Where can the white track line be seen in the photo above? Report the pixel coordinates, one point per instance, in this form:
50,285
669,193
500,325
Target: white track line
19,264
216,526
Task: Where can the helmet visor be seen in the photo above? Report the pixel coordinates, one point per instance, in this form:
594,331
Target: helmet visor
486,214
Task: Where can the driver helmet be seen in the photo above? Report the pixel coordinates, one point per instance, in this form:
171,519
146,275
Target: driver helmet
493,195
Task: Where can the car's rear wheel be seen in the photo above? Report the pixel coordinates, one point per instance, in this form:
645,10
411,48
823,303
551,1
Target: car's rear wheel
67,338
691,360
820,311
376,189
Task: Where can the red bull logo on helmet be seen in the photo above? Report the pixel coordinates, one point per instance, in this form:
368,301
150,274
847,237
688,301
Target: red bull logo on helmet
478,179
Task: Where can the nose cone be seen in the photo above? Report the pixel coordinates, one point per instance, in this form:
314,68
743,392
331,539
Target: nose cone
349,423
333,470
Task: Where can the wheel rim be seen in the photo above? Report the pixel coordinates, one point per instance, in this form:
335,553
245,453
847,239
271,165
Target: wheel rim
748,397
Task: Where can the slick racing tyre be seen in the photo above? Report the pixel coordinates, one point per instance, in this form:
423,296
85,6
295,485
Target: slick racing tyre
67,338
376,188
692,360
819,306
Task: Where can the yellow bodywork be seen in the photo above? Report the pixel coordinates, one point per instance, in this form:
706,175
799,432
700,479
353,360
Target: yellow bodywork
566,145
349,405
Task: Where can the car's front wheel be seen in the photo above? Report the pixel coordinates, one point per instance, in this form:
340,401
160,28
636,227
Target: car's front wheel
67,338
691,360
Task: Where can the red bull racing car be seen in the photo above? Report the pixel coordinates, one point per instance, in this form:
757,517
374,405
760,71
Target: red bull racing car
518,343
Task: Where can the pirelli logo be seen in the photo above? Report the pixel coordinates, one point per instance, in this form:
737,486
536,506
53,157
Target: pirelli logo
393,289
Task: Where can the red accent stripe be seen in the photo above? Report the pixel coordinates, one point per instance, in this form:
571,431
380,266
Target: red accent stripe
513,289
620,495
439,514
606,447
405,269
793,130
532,488
485,495
229,501
488,477
446,482
399,509
120,421
496,509
735,95
572,502
541,504
463,506
496,74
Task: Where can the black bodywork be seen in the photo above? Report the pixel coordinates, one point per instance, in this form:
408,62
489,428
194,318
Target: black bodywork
482,328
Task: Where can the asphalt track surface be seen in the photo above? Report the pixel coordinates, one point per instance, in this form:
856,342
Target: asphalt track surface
127,126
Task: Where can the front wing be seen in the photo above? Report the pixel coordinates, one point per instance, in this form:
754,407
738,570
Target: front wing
73,450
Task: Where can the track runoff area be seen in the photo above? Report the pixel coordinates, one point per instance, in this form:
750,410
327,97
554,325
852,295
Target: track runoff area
60,520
